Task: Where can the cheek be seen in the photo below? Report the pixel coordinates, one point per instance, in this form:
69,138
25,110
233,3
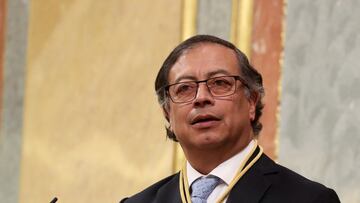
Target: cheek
177,117
240,111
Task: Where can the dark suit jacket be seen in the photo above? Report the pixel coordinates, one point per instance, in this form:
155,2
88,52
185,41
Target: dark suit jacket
265,182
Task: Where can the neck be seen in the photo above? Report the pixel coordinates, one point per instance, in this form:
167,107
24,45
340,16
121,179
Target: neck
204,160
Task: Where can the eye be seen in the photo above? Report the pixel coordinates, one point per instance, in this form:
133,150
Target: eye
183,88
221,82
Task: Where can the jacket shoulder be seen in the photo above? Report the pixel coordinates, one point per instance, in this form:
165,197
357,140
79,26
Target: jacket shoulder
288,184
149,194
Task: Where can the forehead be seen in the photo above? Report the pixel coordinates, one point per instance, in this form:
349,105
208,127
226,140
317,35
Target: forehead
204,61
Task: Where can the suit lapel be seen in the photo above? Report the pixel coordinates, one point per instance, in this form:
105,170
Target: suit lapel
169,192
254,184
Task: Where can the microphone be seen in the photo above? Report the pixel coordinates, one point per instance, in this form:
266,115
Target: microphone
54,200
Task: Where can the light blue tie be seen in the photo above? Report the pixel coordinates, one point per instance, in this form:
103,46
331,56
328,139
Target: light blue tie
202,188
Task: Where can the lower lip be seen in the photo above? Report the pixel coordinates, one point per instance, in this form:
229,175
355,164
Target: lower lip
206,124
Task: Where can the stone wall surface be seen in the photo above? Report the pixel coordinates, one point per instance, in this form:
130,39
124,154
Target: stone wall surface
320,113
214,18
92,126
12,104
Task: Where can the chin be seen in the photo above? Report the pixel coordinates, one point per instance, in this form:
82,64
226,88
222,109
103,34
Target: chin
208,141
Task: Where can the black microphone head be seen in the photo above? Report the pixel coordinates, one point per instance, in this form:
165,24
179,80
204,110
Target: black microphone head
54,200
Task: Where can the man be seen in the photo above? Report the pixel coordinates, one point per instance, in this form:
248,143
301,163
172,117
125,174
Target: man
211,97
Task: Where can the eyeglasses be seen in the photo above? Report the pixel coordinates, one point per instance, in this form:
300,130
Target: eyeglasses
183,92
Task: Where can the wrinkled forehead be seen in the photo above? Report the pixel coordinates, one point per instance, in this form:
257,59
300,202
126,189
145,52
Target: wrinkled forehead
203,61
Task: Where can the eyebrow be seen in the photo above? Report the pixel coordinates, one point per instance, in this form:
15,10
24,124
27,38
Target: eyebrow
208,75
220,71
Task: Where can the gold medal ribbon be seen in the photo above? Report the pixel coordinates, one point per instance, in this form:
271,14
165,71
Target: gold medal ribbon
184,184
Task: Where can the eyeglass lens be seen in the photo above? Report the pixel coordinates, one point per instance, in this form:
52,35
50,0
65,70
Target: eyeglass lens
218,86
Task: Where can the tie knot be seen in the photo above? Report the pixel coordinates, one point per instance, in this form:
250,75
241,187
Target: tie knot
202,188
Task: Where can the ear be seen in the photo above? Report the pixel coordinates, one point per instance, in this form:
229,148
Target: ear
166,113
254,98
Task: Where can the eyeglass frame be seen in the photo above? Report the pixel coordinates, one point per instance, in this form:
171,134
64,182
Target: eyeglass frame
236,77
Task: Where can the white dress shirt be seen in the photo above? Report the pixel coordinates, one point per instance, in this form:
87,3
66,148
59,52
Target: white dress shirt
226,171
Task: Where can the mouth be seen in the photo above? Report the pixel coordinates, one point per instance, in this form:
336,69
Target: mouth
203,119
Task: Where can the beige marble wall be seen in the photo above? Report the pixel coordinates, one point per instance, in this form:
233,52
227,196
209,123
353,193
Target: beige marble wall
93,131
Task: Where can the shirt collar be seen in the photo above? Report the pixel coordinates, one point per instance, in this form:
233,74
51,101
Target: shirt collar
226,171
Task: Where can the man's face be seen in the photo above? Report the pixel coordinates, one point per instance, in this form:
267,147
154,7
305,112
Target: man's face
208,122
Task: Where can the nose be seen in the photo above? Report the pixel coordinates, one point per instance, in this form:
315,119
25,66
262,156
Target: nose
203,96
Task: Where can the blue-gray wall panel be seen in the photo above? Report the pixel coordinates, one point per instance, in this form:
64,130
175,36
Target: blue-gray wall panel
12,109
214,18
320,104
